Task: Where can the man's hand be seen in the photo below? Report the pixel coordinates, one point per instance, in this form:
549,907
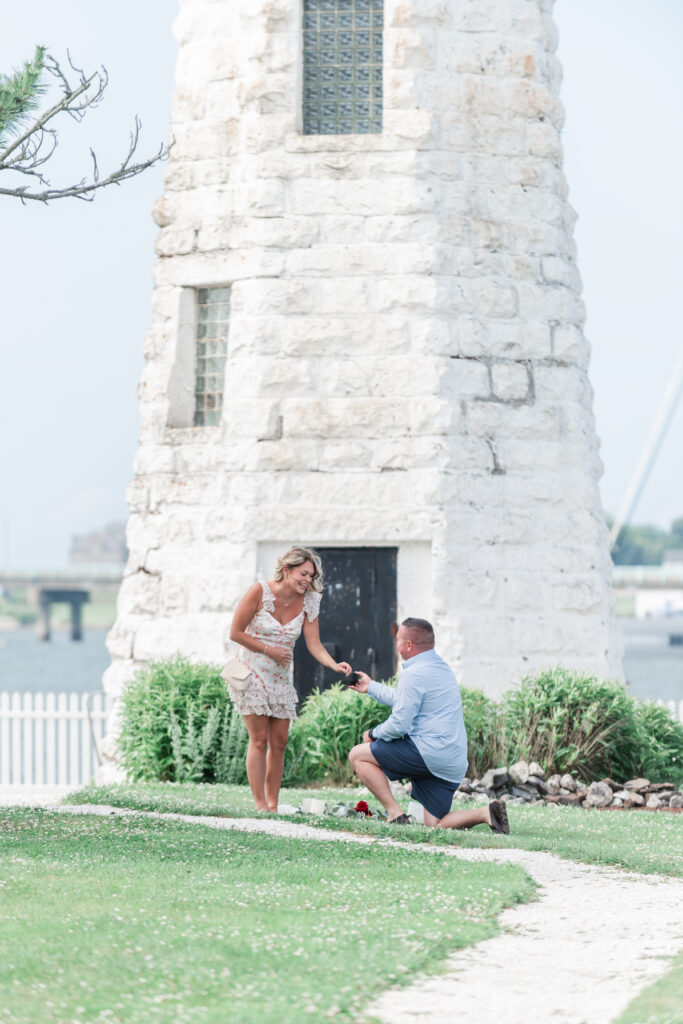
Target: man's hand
361,685
366,736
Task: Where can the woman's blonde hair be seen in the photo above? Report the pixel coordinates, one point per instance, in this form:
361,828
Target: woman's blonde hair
297,556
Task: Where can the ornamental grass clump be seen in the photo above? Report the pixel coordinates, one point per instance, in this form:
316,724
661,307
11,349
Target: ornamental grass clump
572,722
178,724
331,722
485,733
660,744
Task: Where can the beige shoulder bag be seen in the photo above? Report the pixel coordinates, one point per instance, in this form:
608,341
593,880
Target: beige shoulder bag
237,675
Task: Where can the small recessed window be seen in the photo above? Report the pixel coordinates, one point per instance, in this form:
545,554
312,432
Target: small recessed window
342,79
213,317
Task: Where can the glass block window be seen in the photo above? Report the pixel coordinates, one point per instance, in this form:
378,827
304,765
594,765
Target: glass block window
213,317
342,66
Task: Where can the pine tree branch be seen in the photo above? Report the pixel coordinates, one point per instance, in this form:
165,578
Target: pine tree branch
25,154
19,93
37,126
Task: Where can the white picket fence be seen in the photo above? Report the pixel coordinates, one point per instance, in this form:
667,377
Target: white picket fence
49,739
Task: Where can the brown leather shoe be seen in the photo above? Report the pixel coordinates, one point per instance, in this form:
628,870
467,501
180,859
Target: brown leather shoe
499,817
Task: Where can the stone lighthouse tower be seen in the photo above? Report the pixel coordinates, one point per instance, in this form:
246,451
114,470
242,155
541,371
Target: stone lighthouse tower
367,336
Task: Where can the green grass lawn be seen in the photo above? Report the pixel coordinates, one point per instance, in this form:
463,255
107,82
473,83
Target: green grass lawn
112,920
659,1003
639,841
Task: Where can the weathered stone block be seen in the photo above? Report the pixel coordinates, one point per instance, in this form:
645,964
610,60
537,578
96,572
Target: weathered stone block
511,382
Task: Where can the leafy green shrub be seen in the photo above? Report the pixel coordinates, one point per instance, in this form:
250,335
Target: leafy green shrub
485,735
178,724
661,744
331,722
572,722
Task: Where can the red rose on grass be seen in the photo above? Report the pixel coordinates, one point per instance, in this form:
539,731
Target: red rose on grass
362,806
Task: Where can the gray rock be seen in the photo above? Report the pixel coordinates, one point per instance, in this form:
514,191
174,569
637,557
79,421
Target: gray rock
538,784
581,790
519,772
553,784
535,769
599,795
527,793
676,800
637,784
568,782
563,792
495,778
617,802
623,795
465,786
653,801
571,800
636,799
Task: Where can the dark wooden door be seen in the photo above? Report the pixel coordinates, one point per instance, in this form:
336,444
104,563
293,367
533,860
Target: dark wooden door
356,616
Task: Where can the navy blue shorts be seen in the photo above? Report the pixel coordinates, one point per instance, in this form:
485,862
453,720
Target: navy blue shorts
400,759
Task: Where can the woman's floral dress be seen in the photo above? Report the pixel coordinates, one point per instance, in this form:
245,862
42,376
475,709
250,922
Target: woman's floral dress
271,690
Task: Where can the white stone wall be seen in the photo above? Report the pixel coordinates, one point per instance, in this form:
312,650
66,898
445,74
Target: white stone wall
406,332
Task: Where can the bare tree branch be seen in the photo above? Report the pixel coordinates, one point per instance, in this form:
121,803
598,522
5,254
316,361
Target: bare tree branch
33,147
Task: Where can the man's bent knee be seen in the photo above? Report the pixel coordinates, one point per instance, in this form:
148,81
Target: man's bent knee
355,753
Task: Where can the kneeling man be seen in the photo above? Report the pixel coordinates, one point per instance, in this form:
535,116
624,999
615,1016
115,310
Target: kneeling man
423,739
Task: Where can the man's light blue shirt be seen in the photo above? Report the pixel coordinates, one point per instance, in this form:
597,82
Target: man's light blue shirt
426,706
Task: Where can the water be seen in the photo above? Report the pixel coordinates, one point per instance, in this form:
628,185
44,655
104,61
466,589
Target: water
653,667
59,665
653,656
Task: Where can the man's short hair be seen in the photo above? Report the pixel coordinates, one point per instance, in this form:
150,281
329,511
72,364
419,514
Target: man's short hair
423,631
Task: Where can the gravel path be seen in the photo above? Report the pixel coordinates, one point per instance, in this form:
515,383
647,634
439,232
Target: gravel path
578,955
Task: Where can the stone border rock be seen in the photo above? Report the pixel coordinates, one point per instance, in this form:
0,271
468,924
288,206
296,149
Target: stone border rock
525,783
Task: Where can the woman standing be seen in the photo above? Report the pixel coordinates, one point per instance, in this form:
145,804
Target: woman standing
267,624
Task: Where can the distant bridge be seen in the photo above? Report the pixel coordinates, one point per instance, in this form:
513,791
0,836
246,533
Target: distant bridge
69,585
86,573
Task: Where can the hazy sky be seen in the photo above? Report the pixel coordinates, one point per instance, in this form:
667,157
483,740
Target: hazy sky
76,278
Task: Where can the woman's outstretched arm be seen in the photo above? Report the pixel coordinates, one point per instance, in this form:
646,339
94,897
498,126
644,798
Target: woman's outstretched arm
315,646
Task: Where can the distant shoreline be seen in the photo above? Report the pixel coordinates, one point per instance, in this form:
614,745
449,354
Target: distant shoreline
62,627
